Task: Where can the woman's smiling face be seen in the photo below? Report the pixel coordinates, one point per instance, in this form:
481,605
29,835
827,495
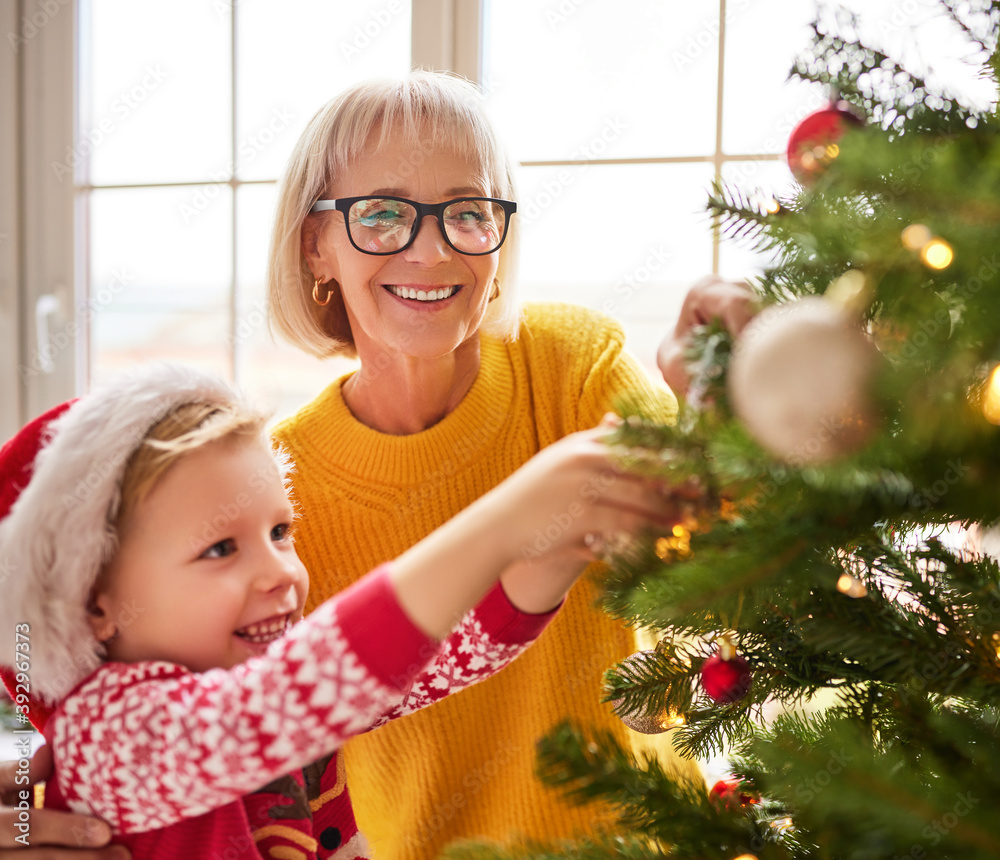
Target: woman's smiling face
376,289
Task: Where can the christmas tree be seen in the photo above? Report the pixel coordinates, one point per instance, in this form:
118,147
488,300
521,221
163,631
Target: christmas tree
828,610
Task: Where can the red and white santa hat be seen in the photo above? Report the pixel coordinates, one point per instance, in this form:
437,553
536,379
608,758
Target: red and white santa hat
60,489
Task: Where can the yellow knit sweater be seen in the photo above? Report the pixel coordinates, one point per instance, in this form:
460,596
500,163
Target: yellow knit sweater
465,767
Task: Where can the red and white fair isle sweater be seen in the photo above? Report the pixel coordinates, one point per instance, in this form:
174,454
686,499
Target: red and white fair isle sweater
242,762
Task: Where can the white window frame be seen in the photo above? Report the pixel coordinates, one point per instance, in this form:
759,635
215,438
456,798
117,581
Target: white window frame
718,157
39,338
43,269
44,331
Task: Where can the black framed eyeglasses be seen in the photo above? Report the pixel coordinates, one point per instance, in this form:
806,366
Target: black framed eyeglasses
388,225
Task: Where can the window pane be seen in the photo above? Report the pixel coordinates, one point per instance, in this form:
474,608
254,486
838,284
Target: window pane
624,239
760,105
283,376
159,283
154,100
294,56
605,80
130,338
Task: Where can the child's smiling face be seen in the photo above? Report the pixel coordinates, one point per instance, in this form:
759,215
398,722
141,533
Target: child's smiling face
206,574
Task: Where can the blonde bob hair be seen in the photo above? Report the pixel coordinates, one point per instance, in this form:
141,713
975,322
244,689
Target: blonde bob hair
430,110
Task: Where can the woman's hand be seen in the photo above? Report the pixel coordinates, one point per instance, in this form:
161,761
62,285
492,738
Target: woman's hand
710,298
78,835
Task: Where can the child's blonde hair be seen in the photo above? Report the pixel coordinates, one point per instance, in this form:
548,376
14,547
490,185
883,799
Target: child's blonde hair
187,428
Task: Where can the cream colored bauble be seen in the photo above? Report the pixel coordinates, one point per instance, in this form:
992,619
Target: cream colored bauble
637,720
800,381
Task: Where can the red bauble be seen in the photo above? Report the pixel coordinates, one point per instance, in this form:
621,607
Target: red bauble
726,681
810,145
727,791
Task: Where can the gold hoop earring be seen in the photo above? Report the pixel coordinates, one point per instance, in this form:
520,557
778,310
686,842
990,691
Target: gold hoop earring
326,301
496,289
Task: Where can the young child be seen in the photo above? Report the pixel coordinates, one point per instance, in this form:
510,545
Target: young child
152,577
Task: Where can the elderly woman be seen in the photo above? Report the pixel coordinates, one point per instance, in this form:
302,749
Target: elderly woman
395,242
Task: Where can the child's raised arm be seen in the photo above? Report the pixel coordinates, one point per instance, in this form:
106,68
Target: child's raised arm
572,485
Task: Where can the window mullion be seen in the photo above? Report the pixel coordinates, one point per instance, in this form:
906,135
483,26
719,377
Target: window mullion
11,301
447,35
53,341
235,357
720,90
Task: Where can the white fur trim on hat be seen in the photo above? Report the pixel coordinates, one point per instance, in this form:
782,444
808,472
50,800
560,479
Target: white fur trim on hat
58,534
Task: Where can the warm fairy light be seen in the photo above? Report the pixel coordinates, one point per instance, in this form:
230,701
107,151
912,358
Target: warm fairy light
991,397
915,237
678,544
773,207
937,254
726,646
746,857
934,252
672,721
780,824
851,586
849,290
832,151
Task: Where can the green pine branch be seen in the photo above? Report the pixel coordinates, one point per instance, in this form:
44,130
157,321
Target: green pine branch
868,627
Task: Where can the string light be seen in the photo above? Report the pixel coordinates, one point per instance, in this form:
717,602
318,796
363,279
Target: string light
672,721
915,237
937,254
934,252
679,544
851,586
746,857
991,397
850,290
819,156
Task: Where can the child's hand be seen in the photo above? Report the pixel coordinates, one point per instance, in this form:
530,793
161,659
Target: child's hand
570,504
574,497
535,532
